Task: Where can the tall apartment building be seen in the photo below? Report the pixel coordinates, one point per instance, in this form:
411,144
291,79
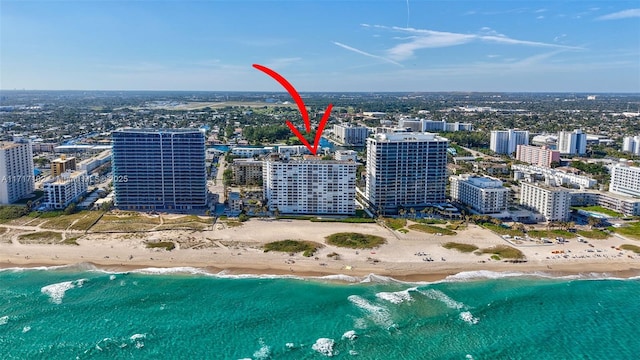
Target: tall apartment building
552,203
631,144
483,195
16,171
425,125
247,172
541,156
572,142
506,141
405,170
159,169
350,135
64,189
310,186
62,164
625,180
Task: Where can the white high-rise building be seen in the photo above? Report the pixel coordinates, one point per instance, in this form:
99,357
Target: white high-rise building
350,135
572,142
310,186
625,180
552,202
16,171
631,144
65,189
506,141
405,170
482,194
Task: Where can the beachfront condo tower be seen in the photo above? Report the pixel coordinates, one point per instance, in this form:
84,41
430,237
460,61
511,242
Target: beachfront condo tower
159,169
405,170
16,171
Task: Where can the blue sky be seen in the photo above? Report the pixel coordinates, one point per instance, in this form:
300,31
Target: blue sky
355,45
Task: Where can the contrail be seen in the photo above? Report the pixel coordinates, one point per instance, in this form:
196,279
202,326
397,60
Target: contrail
408,13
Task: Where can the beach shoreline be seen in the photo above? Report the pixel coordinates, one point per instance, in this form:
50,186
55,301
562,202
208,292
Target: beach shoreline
237,251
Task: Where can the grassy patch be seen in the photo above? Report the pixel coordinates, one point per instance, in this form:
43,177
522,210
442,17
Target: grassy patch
457,225
233,223
186,219
430,221
634,248
71,241
308,248
125,222
465,248
430,229
355,240
551,234
9,212
183,226
167,245
502,230
344,220
41,237
395,224
599,209
404,231
632,230
593,234
504,252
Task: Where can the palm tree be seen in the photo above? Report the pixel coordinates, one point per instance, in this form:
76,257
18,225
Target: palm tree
413,213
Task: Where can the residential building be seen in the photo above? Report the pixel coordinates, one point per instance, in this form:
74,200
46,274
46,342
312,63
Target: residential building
555,176
572,142
65,189
625,180
346,155
293,150
39,147
552,203
160,169
350,135
405,170
94,162
541,156
247,172
62,164
506,141
16,171
631,144
426,125
626,205
458,126
310,186
235,202
483,195
248,152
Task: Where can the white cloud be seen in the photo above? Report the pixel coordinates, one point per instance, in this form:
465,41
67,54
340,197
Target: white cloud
624,14
282,62
347,47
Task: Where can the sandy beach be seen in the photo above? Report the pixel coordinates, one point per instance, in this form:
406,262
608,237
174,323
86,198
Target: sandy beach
411,256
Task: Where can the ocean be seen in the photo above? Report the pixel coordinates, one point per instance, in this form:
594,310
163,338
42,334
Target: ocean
79,312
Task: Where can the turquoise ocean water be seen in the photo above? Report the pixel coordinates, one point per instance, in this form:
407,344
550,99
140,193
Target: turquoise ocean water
82,313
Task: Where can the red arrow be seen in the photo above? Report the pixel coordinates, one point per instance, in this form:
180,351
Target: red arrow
303,110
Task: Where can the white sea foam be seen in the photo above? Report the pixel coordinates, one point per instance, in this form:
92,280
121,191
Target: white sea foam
172,270
469,356
112,277
26,329
349,335
442,297
138,337
263,353
380,315
340,277
56,291
4,319
289,345
359,323
353,352
324,346
397,297
468,317
486,274
373,278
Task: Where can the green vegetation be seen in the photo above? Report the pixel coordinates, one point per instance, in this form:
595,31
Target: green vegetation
79,221
243,217
632,230
430,229
10,212
308,248
41,237
634,248
430,221
71,241
357,220
551,234
465,248
502,230
457,225
233,223
503,252
125,222
395,224
599,209
355,240
593,234
167,245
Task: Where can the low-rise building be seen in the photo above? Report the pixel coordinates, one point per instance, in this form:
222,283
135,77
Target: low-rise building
553,176
345,155
65,189
541,156
552,203
483,195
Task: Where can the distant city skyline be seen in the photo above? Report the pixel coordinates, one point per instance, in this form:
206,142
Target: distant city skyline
504,46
